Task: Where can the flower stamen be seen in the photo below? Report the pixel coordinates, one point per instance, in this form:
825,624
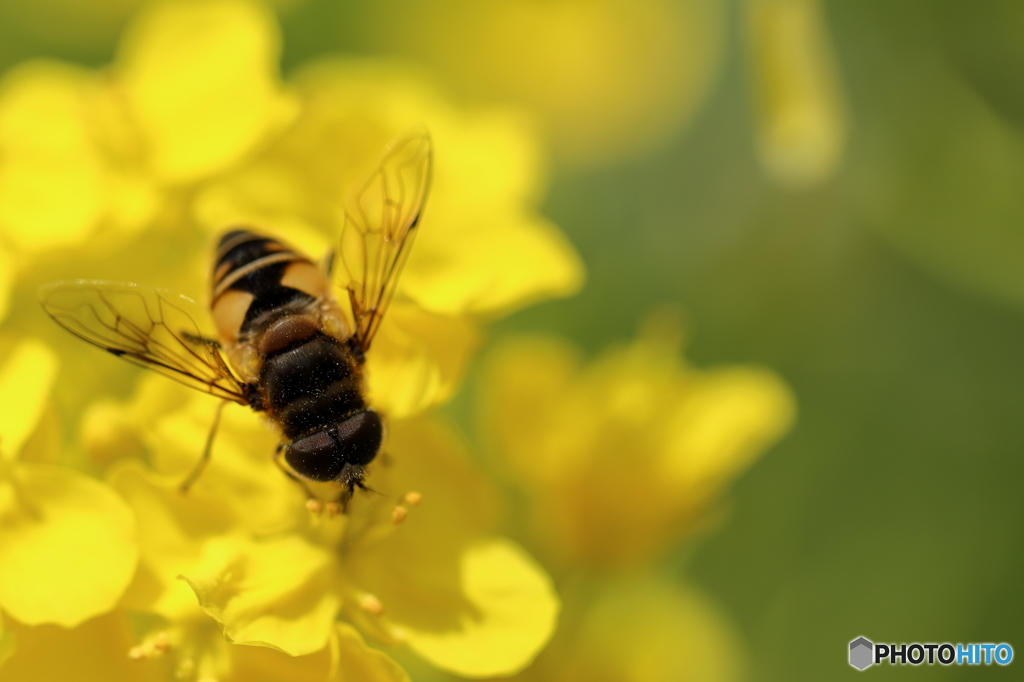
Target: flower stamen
371,604
154,647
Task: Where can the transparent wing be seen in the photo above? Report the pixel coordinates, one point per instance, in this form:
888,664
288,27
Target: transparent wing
381,220
148,327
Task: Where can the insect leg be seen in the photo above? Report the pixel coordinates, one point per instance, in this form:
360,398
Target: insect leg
197,340
205,459
328,262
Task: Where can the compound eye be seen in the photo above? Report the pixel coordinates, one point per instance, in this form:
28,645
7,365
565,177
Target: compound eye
316,457
360,437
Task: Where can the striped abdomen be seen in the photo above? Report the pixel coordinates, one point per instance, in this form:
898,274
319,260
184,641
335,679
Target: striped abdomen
257,279
266,301
272,307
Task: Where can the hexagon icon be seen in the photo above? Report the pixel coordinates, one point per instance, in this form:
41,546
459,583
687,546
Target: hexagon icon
861,653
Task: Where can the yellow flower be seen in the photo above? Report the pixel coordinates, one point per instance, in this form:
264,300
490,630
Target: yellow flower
135,167
617,461
801,121
607,79
620,458
645,628
91,652
439,582
87,155
67,541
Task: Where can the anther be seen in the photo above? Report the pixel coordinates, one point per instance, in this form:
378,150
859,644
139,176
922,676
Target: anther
371,604
314,505
334,508
398,514
413,498
157,646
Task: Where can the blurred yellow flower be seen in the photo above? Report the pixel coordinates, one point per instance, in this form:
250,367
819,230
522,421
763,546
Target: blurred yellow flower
626,455
607,78
87,154
618,461
67,542
645,628
801,119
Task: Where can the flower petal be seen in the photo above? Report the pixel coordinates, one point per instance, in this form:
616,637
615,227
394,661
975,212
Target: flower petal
95,651
801,118
508,614
356,661
7,641
67,545
492,264
7,272
28,373
687,433
649,630
51,176
468,602
418,359
347,659
201,78
276,593
739,413
172,529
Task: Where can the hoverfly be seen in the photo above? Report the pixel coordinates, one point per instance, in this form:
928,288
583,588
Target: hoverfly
285,347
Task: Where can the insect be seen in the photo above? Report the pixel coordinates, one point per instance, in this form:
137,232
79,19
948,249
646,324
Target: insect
285,346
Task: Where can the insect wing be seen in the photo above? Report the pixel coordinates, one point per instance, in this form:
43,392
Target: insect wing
381,221
148,327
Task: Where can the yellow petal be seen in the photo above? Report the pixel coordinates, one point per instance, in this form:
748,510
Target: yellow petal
649,630
249,663
7,273
172,529
95,651
735,415
240,473
607,78
687,433
417,360
201,78
7,641
491,264
347,659
801,120
51,176
67,546
28,373
356,661
527,380
474,604
509,612
276,593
